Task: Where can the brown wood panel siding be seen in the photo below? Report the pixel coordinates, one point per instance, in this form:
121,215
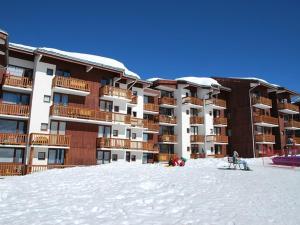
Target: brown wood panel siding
238,107
83,143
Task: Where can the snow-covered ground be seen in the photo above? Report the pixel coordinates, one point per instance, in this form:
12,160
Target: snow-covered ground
203,192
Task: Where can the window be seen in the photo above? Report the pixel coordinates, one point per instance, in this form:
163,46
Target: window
210,113
104,131
11,155
105,82
115,133
129,110
194,130
106,106
44,126
41,155
133,135
188,130
19,71
12,126
15,98
56,156
187,112
116,108
128,134
60,99
47,98
63,73
134,93
114,157
188,149
117,85
49,72
58,127
134,114
133,158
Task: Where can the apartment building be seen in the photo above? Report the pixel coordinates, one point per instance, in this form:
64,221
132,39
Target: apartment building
192,118
68,108
263,113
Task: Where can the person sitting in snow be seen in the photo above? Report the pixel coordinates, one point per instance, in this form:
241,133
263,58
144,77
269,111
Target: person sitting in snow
245,164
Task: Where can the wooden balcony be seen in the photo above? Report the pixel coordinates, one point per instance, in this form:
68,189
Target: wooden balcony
116,143
217,138
264,120
292,124
16,81
219,103
196,120
50,140
288,108
297,140
136,122
12,169
115,92
197,138
167,138
165,157
265,138
151,126
151,107
220,121
167,101
192,100
14,110
89,114
71,83
167,119
13,139
262,102
134,99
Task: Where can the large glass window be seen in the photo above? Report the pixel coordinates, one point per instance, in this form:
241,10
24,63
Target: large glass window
11,155
15,98
104,131
106,106
56,156
60,99
167,94
19,71
63,73
58,127
12,126
194,130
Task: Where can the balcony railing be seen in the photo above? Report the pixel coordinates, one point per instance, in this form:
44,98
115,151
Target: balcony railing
167,138
151,107
23,82
220,121
167,119
262,101
50,139
219,102
266,119
115,92
292,123
13,139
192,100
90,114
288,106
196,120
218,138
167,101
71,83
134,99
296,140
151,125
264,138
125,144
15,110
197,138
136,122
162,157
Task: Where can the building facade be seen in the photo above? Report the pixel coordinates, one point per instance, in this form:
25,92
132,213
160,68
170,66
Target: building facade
66,108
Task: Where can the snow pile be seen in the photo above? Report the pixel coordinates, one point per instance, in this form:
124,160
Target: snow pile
202,81
154,79
86,58
257,79
202,192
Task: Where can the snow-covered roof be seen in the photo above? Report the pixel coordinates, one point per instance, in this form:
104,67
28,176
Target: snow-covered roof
154,79
201,81
257,79
3,31
82,57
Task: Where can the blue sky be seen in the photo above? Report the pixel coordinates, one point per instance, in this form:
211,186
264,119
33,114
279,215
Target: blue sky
169,38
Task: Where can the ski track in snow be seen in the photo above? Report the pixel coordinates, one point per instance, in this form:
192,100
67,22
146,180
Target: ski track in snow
123,193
